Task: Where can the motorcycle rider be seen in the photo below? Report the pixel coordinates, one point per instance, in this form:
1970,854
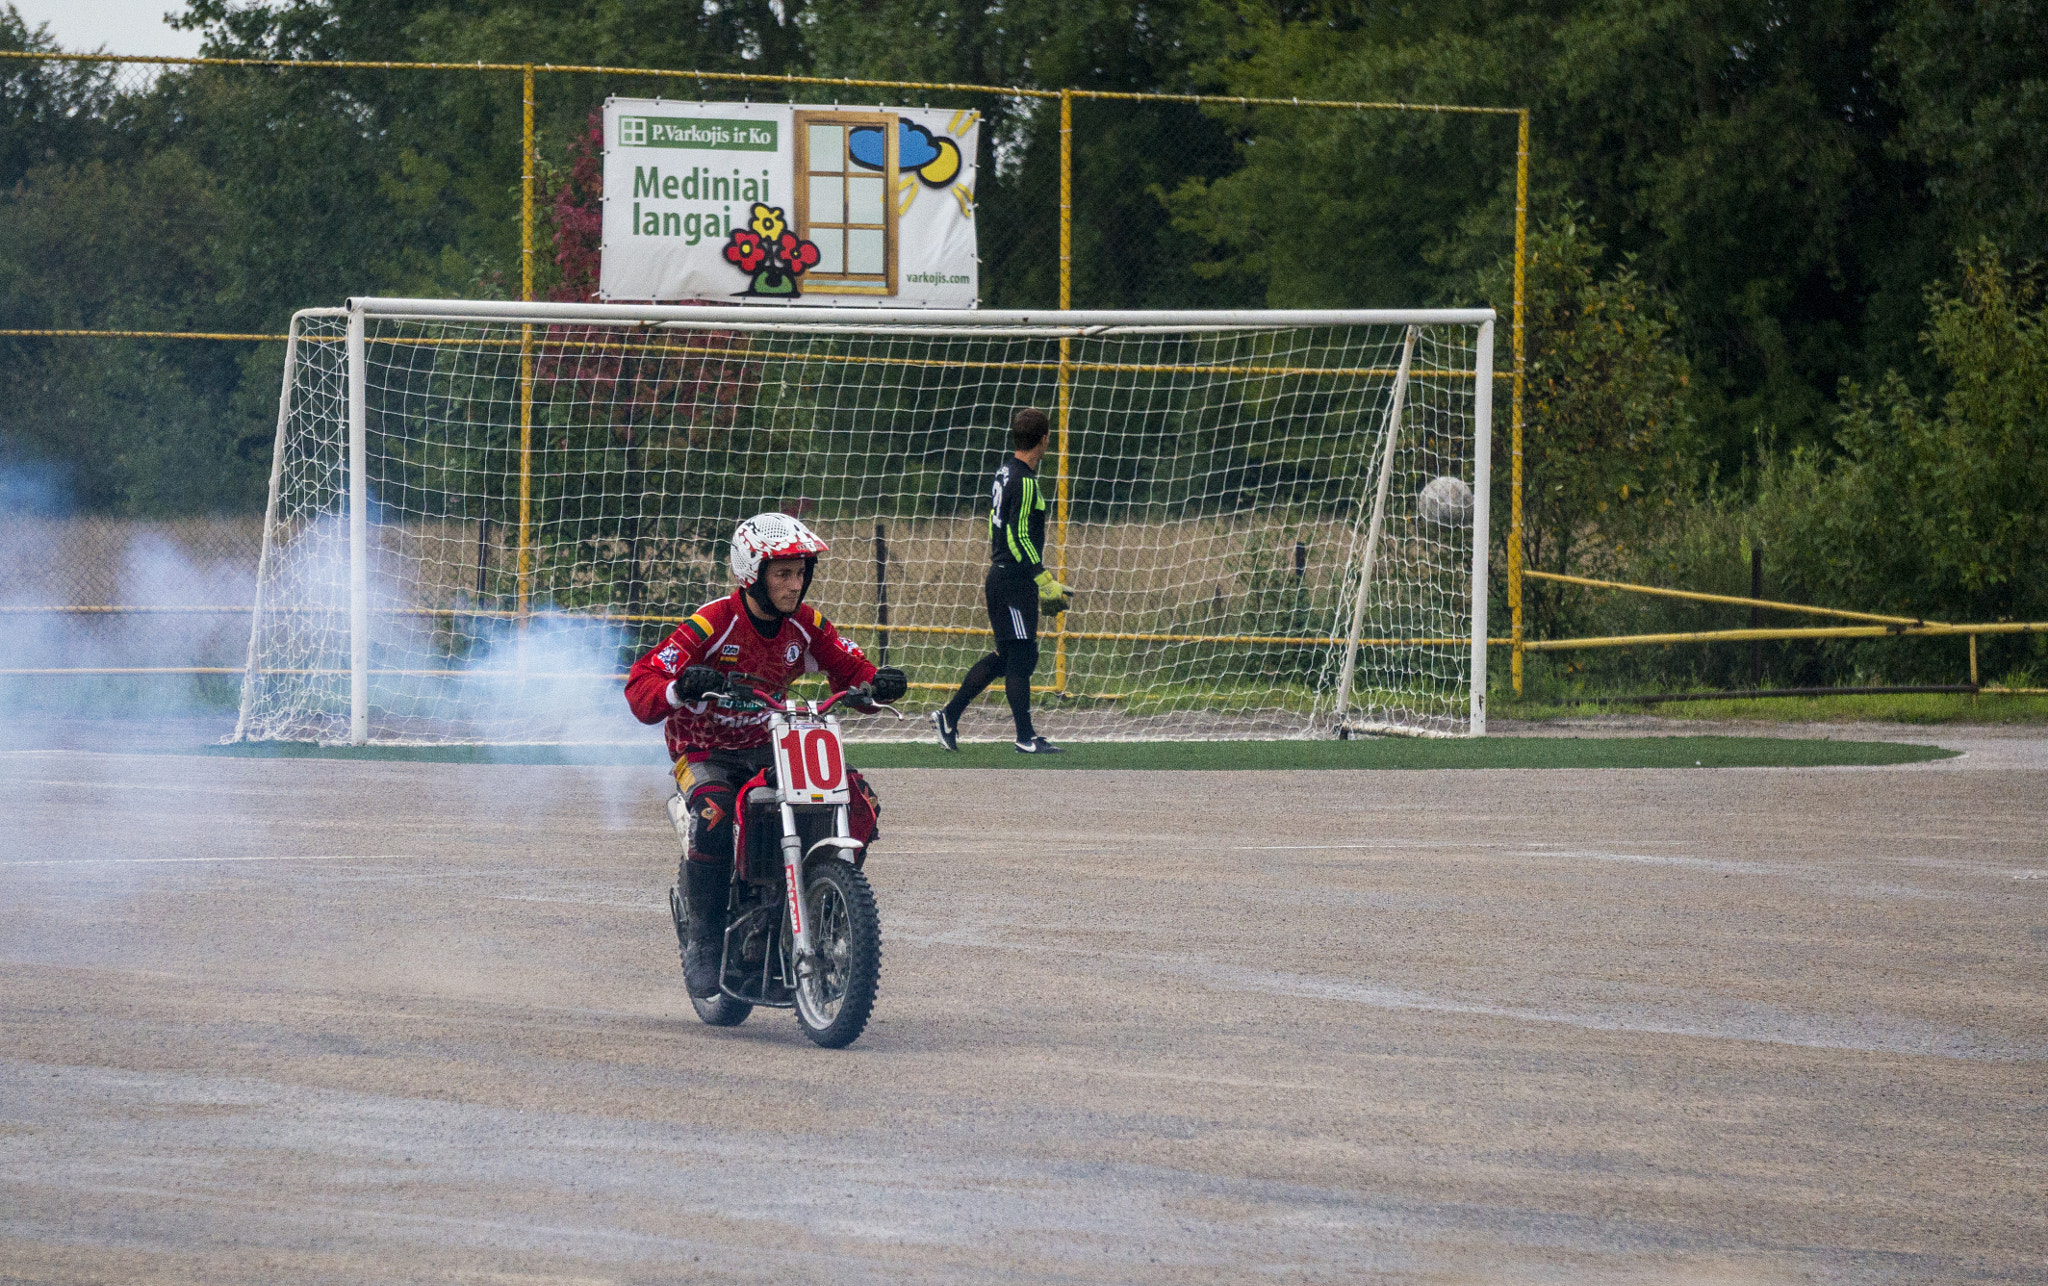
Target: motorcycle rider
764,629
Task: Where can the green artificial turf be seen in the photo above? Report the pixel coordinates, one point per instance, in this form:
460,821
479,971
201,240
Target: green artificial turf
1236,756
1992,707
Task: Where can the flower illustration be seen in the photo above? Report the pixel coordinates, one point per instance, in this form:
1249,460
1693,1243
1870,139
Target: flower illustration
799,255
745,249
773,258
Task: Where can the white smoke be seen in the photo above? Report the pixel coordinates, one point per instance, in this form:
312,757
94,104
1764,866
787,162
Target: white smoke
547,688
67,668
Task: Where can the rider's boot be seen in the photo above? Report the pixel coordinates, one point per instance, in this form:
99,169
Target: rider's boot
706,894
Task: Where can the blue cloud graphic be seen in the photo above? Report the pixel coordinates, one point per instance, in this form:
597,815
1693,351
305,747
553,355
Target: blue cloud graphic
915,147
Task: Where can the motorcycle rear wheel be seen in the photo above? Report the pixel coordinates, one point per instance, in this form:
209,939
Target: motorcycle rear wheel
715,1011
721,1010
833,1004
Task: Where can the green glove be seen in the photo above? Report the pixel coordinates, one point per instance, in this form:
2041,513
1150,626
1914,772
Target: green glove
1053,597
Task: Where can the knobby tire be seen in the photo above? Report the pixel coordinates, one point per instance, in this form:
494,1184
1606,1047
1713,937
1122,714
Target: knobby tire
715,1011
858,975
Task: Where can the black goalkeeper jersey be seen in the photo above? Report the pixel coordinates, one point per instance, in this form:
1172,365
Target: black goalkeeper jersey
1016,521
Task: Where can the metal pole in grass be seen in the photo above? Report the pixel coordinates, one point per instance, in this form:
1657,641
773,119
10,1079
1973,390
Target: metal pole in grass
277,450
881,592
526,185
358,537
1756,615
1482,491
525,582
1372,533
1059,664
1515,429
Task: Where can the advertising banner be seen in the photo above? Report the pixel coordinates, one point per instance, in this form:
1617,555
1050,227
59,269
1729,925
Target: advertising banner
768,202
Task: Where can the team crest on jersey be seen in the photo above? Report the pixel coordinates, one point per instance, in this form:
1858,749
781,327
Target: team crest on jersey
667,656
790,654
849,647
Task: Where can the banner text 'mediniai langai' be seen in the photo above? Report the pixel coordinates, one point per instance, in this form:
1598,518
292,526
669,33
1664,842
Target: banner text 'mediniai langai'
721,191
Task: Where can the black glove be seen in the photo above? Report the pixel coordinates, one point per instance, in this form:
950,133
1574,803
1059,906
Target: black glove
888,684
698,682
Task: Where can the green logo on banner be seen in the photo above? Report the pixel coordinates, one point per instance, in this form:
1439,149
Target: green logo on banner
699,133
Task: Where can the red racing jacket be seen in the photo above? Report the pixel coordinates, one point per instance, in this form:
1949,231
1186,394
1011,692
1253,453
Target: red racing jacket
721,635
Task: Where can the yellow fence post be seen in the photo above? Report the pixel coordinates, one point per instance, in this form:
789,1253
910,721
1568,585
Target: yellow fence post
526,353
526,159
1515,414
1059,664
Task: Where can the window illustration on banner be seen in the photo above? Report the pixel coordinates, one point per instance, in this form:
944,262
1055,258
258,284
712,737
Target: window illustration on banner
847,163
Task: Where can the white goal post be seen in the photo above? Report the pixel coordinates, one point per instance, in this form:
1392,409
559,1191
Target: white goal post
1275,523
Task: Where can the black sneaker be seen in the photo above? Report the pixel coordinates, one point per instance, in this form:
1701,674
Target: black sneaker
1038,746
949,732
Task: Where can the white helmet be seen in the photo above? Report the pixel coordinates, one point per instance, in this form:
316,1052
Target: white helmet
767,537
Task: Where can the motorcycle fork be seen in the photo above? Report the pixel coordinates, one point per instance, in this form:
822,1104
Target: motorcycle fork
793,879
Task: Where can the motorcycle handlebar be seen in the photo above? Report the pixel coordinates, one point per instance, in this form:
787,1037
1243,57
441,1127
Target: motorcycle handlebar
743,685
861,692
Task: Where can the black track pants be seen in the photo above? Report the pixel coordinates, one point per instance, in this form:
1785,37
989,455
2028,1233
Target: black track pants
1014,660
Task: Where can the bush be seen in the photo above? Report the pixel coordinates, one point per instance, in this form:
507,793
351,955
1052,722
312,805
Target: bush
1934,507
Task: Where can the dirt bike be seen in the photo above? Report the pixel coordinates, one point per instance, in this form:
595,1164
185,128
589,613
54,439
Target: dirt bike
801,931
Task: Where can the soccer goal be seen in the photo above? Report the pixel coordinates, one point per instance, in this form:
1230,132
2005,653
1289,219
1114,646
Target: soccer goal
1274,523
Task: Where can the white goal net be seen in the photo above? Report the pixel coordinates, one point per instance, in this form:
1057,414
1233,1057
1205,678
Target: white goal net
1274,523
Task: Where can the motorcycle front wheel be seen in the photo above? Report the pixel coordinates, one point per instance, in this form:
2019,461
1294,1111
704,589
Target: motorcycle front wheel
833,1003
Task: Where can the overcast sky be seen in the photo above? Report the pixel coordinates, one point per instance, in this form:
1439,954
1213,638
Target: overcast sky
117,26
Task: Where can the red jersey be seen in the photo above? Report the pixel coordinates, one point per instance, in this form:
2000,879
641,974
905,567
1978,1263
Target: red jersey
721,635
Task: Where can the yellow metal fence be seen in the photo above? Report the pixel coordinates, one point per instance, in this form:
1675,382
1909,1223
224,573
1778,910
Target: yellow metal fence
1066,98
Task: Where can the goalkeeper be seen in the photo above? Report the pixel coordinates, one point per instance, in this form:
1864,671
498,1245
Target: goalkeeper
1018,588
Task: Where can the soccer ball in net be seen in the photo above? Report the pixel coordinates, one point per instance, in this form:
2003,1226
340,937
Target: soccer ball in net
1445,502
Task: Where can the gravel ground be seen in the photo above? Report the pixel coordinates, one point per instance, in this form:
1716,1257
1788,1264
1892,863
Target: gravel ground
318,1020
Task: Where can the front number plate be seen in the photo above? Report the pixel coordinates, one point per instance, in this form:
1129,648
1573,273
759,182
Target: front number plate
810,765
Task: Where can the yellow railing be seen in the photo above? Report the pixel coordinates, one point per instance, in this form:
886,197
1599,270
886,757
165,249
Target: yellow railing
1809,632
1731,600
1880,626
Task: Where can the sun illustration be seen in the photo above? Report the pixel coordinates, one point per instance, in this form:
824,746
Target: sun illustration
923,159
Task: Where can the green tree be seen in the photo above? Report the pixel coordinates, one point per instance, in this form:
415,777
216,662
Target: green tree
1125,252
1738,151
1608,444
1357,209
146,427
1972,79
49,111
1936,507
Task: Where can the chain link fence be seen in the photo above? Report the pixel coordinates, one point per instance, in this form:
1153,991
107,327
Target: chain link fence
167,216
